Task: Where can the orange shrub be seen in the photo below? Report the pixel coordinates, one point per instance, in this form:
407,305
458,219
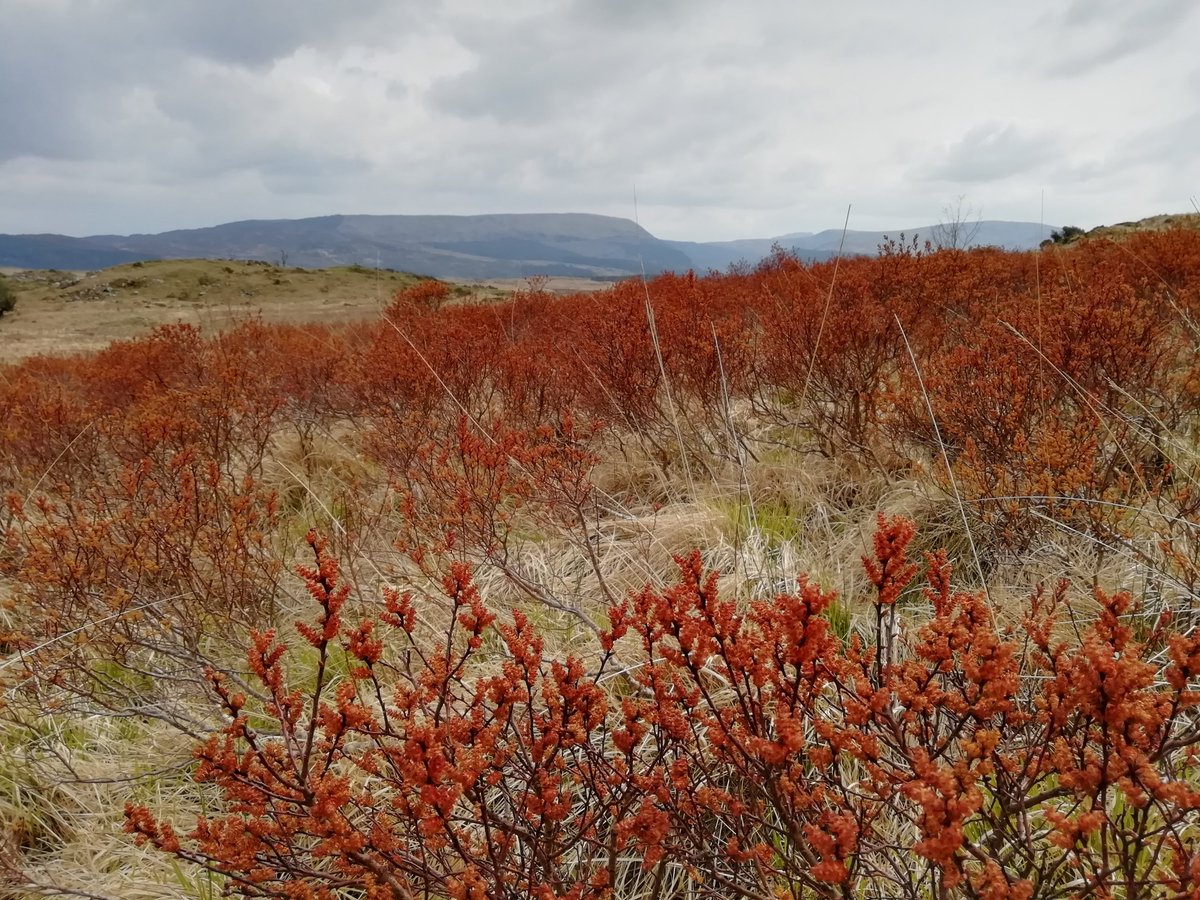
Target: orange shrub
750,752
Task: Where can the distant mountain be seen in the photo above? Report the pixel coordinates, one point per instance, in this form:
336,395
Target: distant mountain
825,244
499,246
1009,235
465,247
721,255
57,251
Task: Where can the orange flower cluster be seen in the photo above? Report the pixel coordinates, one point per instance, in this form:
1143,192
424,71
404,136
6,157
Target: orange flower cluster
748,752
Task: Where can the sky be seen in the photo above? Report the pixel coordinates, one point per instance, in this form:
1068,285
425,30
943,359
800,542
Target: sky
704,119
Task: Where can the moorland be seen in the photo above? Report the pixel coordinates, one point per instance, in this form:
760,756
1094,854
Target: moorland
872,577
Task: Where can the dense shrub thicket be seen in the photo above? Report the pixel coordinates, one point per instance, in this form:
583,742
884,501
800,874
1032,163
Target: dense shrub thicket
748,752
693,743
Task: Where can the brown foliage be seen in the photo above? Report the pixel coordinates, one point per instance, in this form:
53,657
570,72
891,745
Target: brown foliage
738,748
754,753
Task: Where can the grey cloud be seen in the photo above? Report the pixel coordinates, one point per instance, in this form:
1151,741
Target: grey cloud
304,174
257,33
397,90
991,152
145,114
525,88
55,76
560,61
1095,33
66,69
527,72
627,16
1175,140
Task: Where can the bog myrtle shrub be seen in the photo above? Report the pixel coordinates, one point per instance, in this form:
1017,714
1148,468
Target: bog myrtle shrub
689,741
748,751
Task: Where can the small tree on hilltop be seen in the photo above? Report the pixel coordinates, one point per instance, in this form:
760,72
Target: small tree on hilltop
1068,235
958,227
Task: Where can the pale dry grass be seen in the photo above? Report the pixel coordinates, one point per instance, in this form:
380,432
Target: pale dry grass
63,786
73,312
63,312
760,523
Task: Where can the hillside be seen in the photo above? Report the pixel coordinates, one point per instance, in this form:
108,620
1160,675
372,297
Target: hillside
1126,229
64,312
468,247
57,251
494,246
1009,235
306,607
823,245
720,255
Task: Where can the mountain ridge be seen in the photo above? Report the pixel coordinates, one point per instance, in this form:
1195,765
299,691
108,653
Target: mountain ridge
498,245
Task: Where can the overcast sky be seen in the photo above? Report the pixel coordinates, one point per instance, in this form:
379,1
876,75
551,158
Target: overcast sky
746,119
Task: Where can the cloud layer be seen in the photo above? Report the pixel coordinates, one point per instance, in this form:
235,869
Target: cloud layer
725,120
